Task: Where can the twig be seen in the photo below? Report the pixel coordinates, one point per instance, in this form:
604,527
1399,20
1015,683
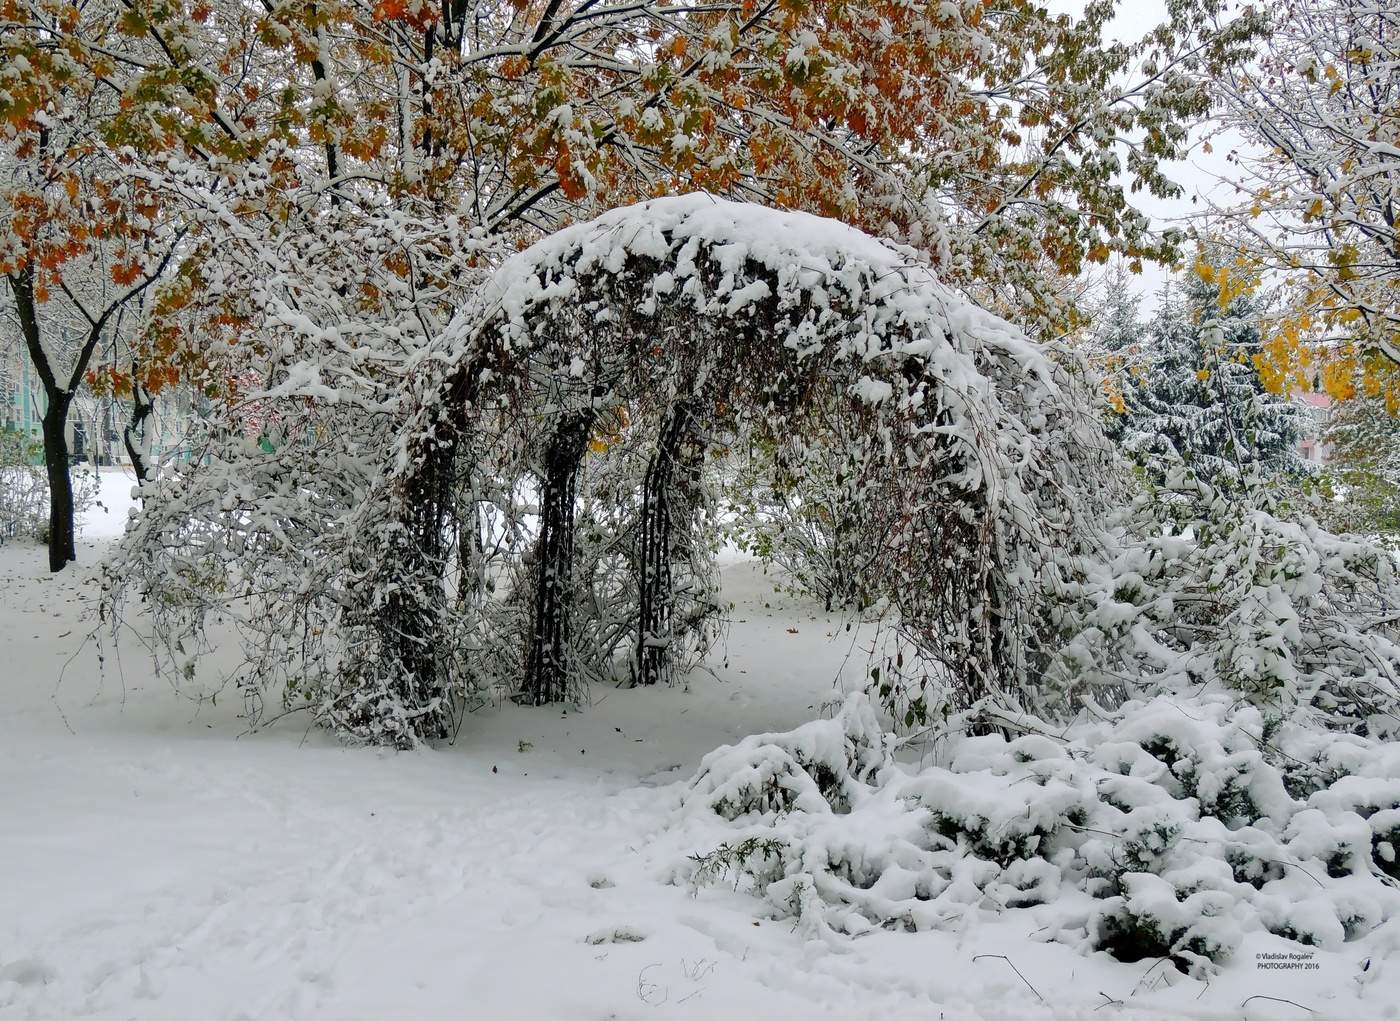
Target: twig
1275,999
648,990
1003,957
1149,971
1289,864
1090,829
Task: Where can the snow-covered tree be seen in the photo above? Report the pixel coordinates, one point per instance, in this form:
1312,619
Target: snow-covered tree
357,136
791,509
1320,186
81,237
1363,463
1195,396
1117,321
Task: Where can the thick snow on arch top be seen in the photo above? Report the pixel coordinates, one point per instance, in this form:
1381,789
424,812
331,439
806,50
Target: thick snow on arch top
825,262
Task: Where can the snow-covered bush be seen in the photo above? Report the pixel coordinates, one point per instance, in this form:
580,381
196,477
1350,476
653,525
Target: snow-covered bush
252,534
24,489
24,495
1168,831
1197,591
796,515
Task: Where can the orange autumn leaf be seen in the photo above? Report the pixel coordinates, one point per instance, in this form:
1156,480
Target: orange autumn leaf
126,273
569,182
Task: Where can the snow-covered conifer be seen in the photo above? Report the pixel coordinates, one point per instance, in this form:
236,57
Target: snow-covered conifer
1118,326
1195,397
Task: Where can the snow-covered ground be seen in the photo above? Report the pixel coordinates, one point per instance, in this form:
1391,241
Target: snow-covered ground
157,861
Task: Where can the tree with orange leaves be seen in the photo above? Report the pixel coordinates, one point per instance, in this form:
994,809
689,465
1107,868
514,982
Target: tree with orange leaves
995,137
349,162
81,238
343,175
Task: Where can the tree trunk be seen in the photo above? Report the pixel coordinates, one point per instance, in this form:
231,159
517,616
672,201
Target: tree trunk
410,620
546,663
134,435
654,659
62,548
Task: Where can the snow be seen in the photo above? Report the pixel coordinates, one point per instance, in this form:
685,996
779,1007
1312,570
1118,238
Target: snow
811,256
158,862
113,502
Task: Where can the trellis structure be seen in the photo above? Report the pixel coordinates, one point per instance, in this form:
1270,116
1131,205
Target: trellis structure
667,332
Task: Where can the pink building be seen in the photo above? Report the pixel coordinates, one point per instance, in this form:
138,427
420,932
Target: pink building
1311,447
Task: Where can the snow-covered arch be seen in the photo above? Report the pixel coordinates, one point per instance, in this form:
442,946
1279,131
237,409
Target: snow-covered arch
961,444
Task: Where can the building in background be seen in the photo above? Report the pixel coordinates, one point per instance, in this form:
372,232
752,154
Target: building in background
95,424
1312,448
21,395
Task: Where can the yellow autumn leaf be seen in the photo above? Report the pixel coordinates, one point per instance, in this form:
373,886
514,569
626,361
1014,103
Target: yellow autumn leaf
1337,379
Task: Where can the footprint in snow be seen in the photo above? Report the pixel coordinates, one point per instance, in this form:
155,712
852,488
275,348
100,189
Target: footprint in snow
28,971
600,882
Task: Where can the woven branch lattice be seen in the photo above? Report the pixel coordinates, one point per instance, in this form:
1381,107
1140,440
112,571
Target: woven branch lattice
603,365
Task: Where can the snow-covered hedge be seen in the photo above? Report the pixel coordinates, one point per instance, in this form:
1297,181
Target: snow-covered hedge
1196,591
1170,831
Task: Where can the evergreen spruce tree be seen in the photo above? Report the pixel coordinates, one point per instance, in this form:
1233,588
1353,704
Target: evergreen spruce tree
1118,327
1196,397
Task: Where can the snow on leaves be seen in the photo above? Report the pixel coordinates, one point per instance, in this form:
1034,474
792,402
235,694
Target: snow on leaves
1196,590
1168,831
1320,185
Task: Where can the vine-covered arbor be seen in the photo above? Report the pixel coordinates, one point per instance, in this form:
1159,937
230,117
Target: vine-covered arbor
546,520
